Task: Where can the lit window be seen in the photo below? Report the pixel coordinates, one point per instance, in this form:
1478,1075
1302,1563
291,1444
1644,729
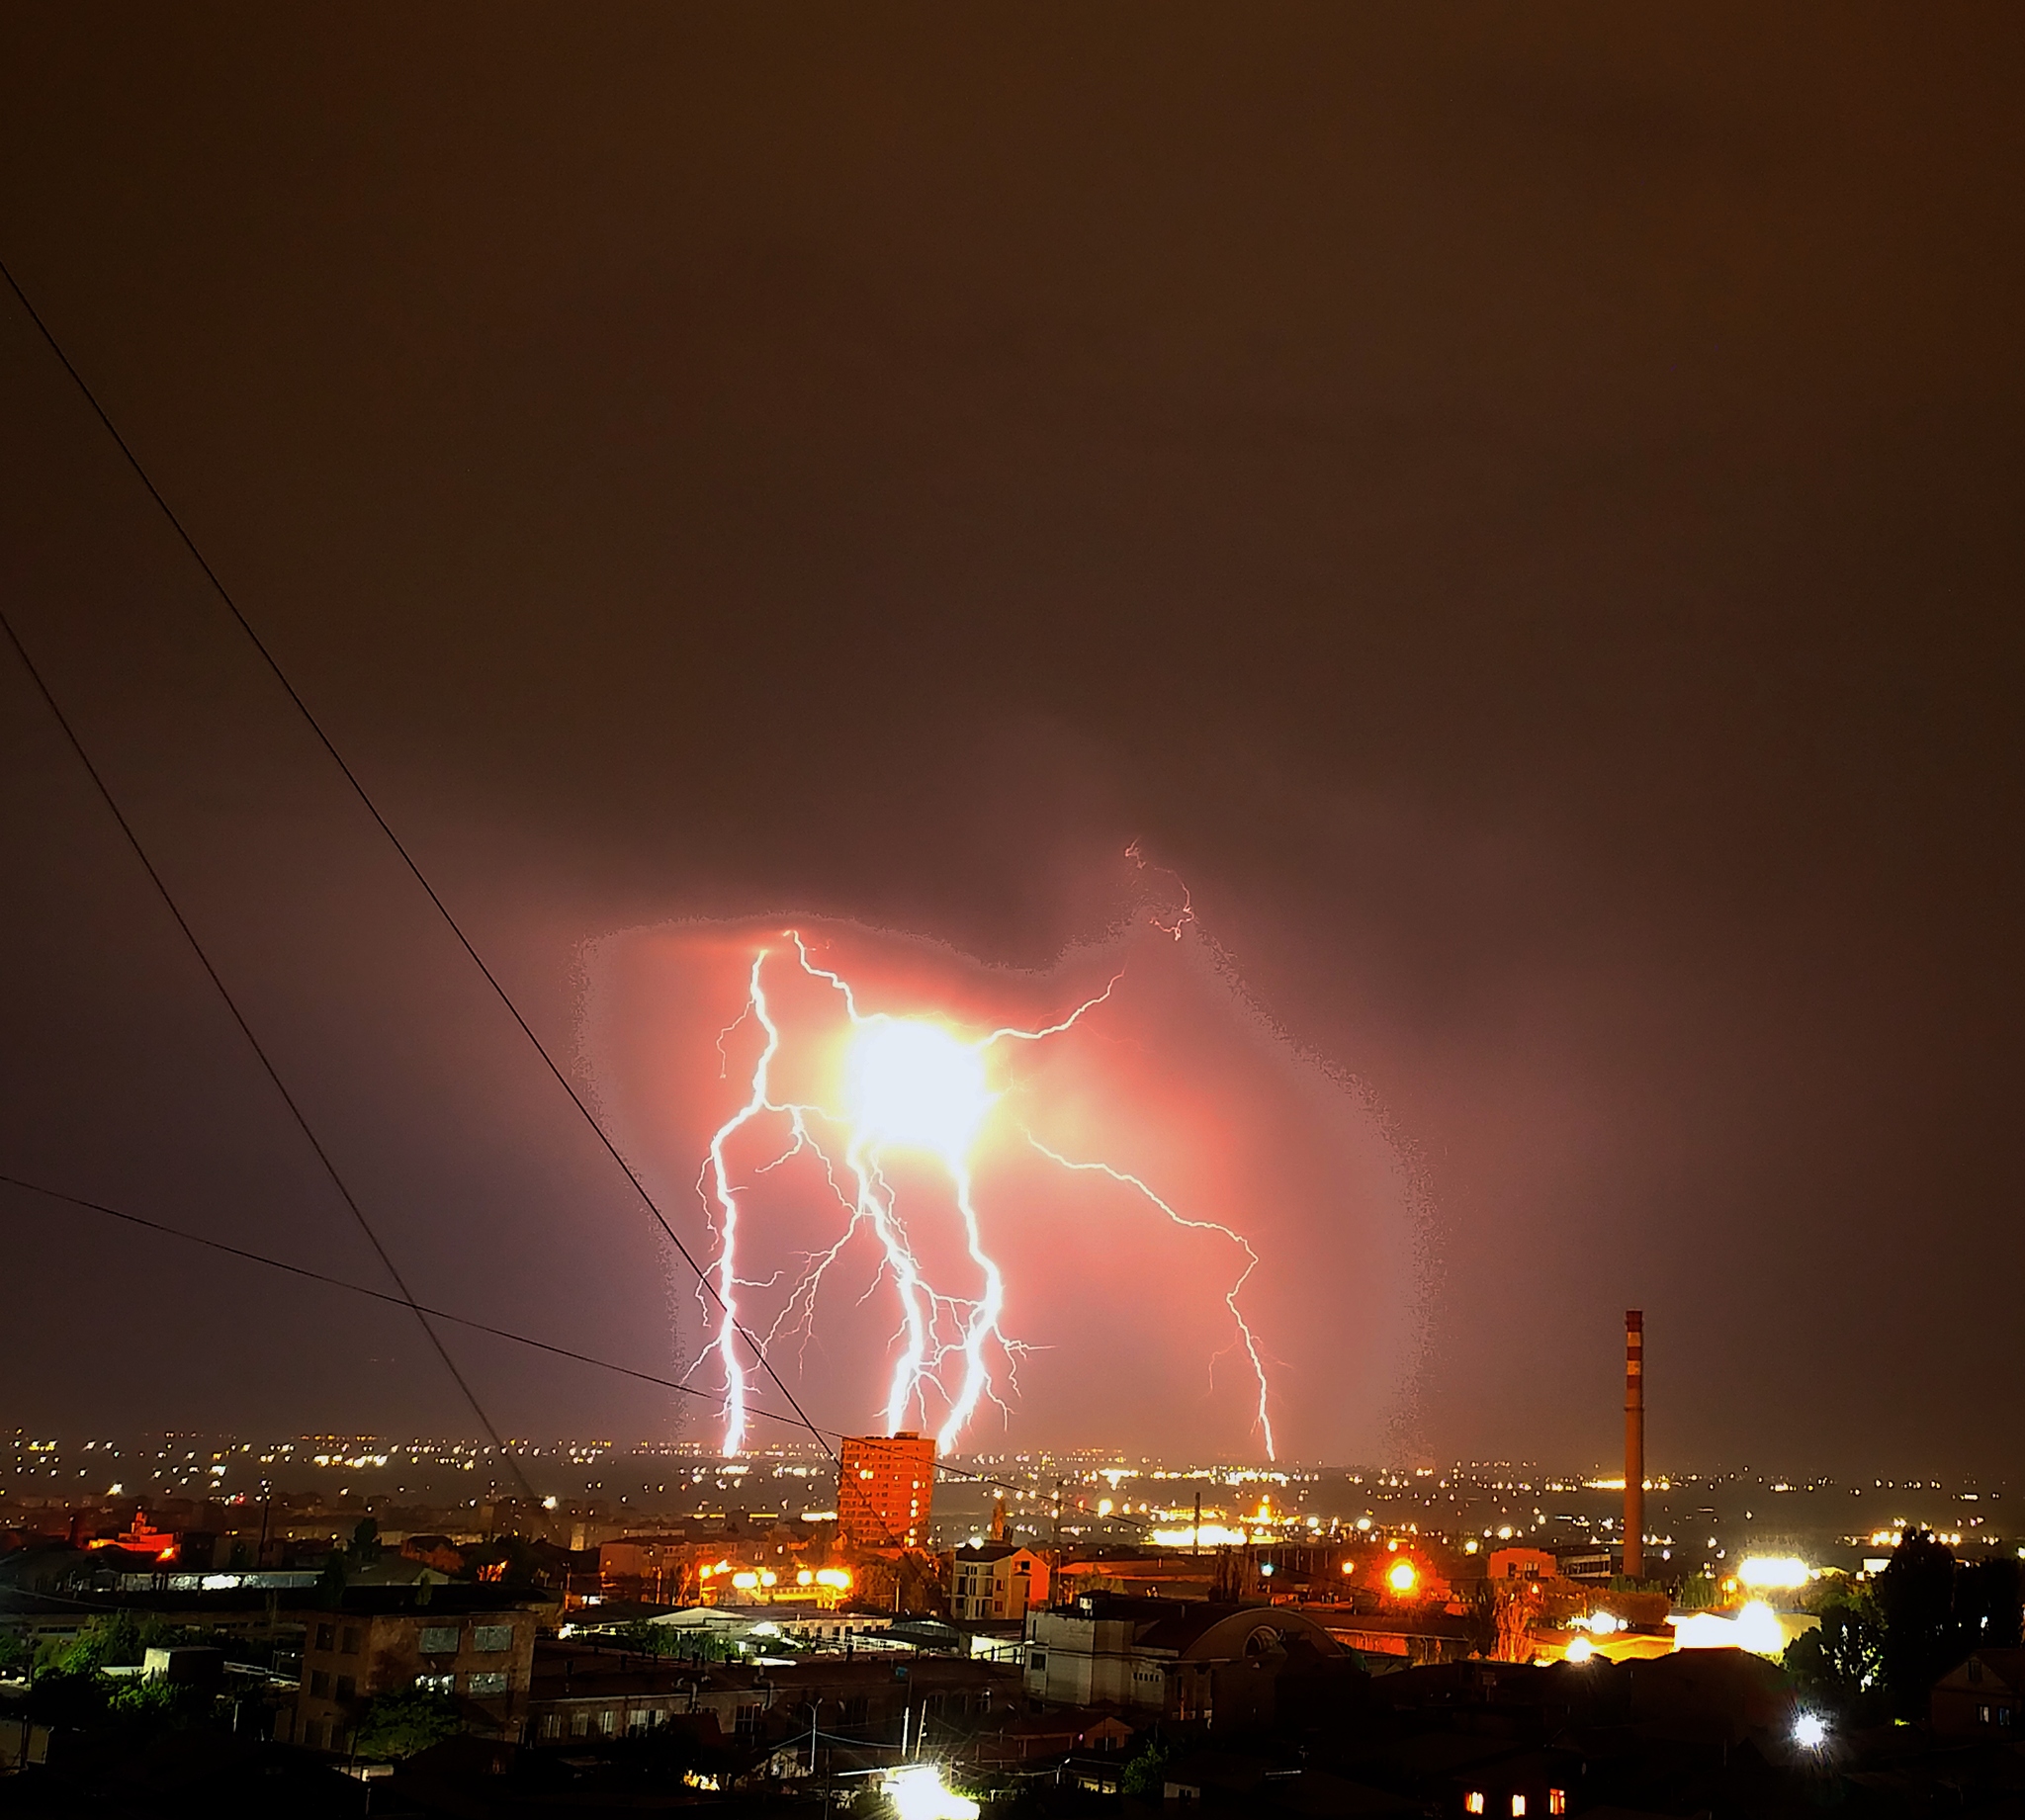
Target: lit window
1557,1800
1472,1802
1518,1807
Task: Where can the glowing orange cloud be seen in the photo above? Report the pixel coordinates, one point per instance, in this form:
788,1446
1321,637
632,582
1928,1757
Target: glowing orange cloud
921,1173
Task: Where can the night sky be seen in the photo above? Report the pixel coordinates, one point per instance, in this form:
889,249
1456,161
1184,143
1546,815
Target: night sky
1521,513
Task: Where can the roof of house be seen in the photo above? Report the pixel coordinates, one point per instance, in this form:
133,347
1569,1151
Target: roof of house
2004,1666
989,1551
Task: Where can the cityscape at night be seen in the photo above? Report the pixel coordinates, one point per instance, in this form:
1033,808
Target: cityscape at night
959,915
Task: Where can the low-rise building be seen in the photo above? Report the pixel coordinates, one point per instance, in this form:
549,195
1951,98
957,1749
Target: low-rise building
1188,1662
469,1643
1982,1698
590,1691
994,1581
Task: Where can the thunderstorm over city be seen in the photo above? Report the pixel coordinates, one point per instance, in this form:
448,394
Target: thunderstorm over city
954,913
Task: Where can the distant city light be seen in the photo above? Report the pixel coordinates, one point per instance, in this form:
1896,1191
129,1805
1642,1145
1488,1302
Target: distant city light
1764,1573
1210,1535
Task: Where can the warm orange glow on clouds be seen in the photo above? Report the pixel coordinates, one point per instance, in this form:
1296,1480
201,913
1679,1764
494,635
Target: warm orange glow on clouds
1122,1172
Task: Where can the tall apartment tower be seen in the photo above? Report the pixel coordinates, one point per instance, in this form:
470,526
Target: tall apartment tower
1635,1443
885,1484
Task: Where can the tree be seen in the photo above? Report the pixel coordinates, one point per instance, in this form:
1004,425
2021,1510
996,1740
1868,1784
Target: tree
365,1545
1987,1604
404,1720
330,1589
147,1707
101,1642
1843,1661
1146,1774
1699,1592
1915,1601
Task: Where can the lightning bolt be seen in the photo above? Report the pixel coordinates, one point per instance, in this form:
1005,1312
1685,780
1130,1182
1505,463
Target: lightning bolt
1182,916
935,1330
1246,1337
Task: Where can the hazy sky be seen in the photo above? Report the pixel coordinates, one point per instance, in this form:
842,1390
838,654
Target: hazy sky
1521,512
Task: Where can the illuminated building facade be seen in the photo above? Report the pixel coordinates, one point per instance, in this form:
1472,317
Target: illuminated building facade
885,1484
995,1580
377,1639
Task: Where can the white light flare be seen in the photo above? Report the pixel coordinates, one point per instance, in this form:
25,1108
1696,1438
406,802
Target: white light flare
917,1793
911,1084
1774,1572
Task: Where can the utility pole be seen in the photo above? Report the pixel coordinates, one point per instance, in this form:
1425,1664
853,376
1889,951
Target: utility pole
1195,1534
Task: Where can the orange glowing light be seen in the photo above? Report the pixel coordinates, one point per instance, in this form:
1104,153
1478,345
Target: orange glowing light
1403,1578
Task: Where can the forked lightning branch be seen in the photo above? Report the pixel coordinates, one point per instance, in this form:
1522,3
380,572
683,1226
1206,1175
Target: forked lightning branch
908,1088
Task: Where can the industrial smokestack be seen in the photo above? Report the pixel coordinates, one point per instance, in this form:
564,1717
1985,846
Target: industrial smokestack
1635,1443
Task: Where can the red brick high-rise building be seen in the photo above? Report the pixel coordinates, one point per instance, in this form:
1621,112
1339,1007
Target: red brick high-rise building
884,1484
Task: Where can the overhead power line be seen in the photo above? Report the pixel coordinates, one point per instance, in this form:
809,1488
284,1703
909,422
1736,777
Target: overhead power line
248,1256
378,1295
372,809
232,1005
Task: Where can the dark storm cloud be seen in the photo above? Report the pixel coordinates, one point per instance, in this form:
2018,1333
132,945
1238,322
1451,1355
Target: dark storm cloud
1522,513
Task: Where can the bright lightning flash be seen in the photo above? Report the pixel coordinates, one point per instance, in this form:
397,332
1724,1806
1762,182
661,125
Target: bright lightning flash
909,1085
913,1086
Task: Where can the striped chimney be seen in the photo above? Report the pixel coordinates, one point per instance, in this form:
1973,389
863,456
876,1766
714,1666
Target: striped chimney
1635,1443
